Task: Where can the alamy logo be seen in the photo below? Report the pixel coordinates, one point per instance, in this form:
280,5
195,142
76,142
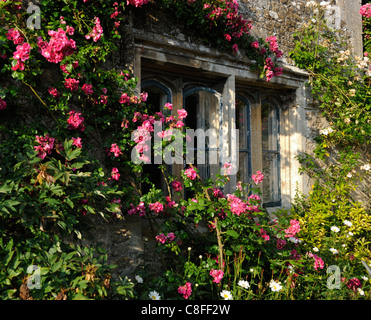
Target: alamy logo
34,20
34,280
333,281
179,147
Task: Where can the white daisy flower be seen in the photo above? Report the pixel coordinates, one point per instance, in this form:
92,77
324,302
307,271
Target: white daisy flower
244,284
226,295
154,295
315,249
334,251
275,285
139,278
360,291
335,229
347,223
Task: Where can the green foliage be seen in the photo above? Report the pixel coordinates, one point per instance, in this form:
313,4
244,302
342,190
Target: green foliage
339,84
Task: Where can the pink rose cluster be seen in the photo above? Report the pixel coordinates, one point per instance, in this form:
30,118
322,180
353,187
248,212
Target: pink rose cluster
115,175
15,36
354,284
96,32
2,104
87,88
274,46
190,173
258,177
185,290
293,229
156,207
264,234
137,3
236,205
365,10
140,209
143,132
72,84
235,23
271,70
115,149
170,237
126,99
217,275
21,54
239,207
176,185
58,47
75,121
141,136
45,146
318,262
54,92
77,142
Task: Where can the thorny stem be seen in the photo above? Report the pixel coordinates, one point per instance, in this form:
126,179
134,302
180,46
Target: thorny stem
42,101
333,83
218,233
166,180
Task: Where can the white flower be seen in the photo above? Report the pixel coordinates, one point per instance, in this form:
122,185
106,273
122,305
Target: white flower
189,248
294,239
315,249
311,4
352,92
334,251
291,269
226,295
154,295
138,278
349,175
347,223
360,291
251,270
324,132
335,229
275,285
366,167
350,233
344,245
324,3
244,284
365,278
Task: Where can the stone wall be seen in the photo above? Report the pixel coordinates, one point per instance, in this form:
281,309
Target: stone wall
301,121
282,18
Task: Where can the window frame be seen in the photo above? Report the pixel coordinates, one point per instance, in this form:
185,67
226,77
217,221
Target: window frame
277,152
247,116
187,91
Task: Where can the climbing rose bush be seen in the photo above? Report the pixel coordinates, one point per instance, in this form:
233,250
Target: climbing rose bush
69,160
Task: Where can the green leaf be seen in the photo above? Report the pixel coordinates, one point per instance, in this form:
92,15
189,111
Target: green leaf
55,267
232,233
5,188
80,296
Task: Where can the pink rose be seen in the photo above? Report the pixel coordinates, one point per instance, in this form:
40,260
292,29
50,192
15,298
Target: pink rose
190,173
